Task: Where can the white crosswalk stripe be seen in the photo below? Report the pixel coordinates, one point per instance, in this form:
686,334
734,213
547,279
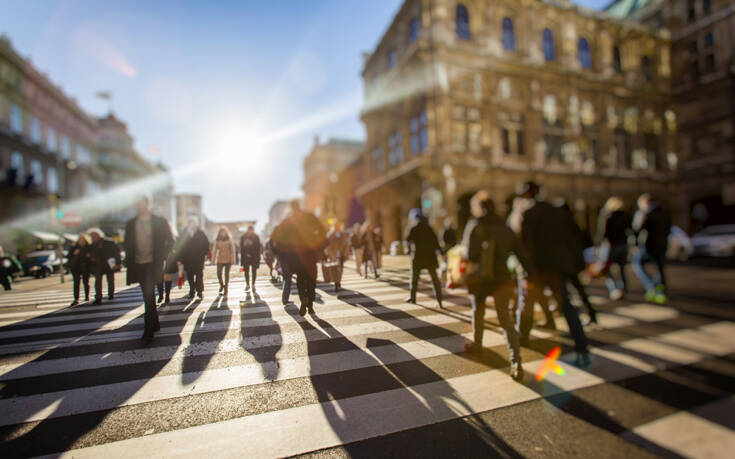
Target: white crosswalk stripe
365,366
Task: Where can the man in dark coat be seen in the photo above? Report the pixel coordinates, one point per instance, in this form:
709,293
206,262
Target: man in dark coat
448,235
652,225
300,240
549,237
424,248
194,250
250,250
148,241
489,244
105,260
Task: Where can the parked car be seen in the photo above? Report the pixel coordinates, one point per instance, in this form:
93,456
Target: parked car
715,241
680,245
41,263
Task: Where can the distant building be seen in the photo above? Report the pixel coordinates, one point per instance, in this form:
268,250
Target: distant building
278,212
703,93
187,206
322,167
47,142
480,94
121,164
55,159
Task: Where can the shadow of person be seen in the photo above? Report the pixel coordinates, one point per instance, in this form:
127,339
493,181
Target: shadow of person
264,355
380,386
203,342
86,399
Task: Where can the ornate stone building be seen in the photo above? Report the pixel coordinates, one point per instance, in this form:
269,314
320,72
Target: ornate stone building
485,94
322,168
703,94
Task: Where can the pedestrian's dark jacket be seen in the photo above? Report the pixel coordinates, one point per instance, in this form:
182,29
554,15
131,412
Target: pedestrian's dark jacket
655,230
80,259
250,250
552,239
616,227
300,238
9,265
194,249
449,237
100,252
492,228
356,240
424,245
162,241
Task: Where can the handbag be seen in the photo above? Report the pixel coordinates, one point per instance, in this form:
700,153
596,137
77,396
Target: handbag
331,271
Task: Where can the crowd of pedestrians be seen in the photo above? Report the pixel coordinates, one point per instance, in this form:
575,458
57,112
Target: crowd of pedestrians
533,254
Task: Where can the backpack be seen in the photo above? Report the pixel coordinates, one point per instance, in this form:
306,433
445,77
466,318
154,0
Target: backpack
484,269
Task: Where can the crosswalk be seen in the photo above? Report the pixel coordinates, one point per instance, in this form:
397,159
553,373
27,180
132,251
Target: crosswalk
245,376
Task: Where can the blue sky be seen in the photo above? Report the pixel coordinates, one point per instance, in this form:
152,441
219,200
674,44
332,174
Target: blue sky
209,82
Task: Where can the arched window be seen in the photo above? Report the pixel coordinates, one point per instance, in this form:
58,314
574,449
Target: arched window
583,51
617,61
509,36
548,45
463,22
414,30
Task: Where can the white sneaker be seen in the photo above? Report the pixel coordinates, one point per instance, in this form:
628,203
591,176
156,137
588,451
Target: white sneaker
615,295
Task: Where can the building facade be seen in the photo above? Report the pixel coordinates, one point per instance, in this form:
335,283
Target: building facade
188,206
322,168
47,143
703,94
481,94
58,161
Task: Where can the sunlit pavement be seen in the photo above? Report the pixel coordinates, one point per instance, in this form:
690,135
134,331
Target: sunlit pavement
368,375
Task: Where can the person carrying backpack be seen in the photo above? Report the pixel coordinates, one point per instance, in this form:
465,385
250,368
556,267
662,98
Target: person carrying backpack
489,243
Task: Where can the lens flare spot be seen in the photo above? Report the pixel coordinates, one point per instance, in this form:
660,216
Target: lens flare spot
550,364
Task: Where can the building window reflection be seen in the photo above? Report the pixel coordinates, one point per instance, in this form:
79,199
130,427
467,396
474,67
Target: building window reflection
52,180
548,45
378,159
463,23
583,51
16,119
509,37
415,30
395,148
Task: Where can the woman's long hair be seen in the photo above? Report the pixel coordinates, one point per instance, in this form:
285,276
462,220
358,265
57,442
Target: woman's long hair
227,236
85,238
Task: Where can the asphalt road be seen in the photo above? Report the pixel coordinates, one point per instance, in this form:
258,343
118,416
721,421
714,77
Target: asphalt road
367,375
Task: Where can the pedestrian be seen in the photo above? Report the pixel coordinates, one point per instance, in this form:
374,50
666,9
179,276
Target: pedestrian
489,244
194,250
300,239
379,247
613,228
250,250
371,248
171,269
105,261
8,266
448,235
578,241
80,266
148,242
535,293
224,257
545,233
338,249
358,246
652,225
424,249
269,257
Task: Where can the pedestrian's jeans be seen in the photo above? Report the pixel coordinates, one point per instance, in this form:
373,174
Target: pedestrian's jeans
286,273
78,279
502,294
618,255
226,268
639,261
416,272
558,284
106,271
147,285
358,258
195,276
